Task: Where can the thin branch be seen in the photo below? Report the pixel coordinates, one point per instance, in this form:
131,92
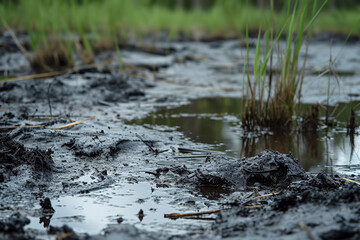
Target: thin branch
37,76
147,144
13,127
304,227
193,156
74,123
3,109
349,180
181,215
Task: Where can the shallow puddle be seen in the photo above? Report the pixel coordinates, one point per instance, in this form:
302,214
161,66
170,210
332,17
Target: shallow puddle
91,213
216,121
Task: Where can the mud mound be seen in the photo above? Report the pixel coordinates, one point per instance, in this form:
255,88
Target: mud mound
14,154
325,213
266,170
13,227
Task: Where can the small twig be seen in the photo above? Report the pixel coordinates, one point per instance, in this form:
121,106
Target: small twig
38,76
74,123
350,180
201,218
53,74
254,206
193,156
147,144
304,227
13,127
189,150
3,109
181,215
49,99
265,195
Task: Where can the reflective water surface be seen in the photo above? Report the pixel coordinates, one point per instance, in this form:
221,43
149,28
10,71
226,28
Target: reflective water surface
216,121
91,213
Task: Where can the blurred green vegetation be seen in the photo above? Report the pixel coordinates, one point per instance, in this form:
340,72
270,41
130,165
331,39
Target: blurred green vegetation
103,18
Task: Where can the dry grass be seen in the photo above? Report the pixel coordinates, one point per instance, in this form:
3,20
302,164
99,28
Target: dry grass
51,58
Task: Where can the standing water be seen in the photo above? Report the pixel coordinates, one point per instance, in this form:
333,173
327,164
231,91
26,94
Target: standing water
217,121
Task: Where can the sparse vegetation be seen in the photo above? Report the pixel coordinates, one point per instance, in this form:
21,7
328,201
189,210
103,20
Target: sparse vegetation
131,18
275,108
57,29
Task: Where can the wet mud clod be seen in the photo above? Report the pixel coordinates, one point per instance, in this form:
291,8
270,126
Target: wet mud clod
13,154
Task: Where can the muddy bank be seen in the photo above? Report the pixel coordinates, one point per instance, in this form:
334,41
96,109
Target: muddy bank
303,210
119,169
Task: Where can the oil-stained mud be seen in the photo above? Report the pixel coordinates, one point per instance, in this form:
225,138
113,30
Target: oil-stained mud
302,210
13,227
13,155
92,180
267,169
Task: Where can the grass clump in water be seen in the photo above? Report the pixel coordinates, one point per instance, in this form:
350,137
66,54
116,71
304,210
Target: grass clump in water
275,108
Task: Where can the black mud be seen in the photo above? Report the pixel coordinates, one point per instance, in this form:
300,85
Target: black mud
14,155
99,157
301,211
266,170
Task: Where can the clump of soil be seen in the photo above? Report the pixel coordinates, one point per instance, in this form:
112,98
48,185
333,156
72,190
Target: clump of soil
52,58
299,211
268,169
13,227
14,154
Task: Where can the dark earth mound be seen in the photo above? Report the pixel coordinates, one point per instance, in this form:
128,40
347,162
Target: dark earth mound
12,228
300,211
13,154
268,169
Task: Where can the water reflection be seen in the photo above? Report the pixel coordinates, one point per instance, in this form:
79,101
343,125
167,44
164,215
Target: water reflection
216,121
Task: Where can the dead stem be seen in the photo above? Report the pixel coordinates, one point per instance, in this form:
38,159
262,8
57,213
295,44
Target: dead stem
349,180
304,227
13,127
72,124
181,215
193,156
261,196
3,109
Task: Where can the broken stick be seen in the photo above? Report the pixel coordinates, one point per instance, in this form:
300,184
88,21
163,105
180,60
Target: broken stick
304,227
3,109
13,127
181,215
349,180
74,123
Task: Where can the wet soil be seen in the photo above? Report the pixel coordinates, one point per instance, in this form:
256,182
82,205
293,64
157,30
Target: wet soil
107,179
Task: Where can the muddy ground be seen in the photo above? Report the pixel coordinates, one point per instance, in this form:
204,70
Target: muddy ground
97,159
